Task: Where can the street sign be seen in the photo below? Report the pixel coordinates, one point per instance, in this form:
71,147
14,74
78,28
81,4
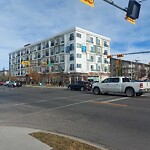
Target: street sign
88,2
44,63
25,63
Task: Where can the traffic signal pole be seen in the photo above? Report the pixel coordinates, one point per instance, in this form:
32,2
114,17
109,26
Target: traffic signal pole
112,3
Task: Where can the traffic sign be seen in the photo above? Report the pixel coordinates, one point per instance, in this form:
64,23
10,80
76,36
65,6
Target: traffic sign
88,2
25,63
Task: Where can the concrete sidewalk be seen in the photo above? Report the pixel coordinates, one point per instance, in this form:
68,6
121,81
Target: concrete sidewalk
14,138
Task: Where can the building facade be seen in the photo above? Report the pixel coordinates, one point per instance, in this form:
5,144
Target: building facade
132,69
76,53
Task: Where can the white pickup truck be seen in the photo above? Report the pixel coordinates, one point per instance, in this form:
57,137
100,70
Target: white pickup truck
121,85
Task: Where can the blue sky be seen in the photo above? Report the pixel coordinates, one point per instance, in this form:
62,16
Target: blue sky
29,21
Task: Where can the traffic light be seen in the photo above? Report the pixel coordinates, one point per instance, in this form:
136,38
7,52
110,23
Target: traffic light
120,55
109,56
88,2
130,20
133,9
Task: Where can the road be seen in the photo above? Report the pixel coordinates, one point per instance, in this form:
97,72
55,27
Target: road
115,121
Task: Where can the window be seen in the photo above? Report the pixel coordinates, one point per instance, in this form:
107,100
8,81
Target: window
79,65
78,45
108,80
92,58
114,80
105,52
99,59
56,41
79,55
39,46
106,44
61,58
62,39
62,48
105,69
92,49
71,66
52,43
71,47
71,37
78,35
57,50
97,41
91,39
71,57
106,61
47,45
126,80
47,53
92,67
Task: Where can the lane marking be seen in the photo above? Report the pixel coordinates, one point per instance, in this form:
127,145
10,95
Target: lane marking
113,104
117,99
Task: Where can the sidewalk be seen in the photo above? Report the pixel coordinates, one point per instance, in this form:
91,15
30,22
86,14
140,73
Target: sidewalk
14,138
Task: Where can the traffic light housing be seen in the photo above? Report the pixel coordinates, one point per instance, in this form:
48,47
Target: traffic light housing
109,56
120,55
133,9
88,2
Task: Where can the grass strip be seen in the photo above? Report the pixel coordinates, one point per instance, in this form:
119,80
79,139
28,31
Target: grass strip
61,143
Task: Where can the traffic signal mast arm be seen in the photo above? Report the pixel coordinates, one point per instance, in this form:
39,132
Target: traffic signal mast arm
112,3
121,55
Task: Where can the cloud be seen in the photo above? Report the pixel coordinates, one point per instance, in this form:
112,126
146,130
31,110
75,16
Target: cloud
23,22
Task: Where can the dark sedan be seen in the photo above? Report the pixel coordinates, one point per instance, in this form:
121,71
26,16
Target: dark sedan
80,85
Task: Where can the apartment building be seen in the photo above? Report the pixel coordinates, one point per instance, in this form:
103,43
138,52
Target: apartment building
133,69
76,52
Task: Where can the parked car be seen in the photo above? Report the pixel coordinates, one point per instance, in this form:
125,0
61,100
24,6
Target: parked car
18,83
6,83
80,85
11,84
1,82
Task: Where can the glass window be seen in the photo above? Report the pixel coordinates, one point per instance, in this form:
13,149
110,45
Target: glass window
71,57
126,80
105,52
79,65
78,35
71,66
92,58
99,59
91,39
92,67
78,45
114,80
79,55
71,47
71,37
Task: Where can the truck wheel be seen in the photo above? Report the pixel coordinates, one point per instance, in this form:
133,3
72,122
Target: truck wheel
138,94
96,91
130,92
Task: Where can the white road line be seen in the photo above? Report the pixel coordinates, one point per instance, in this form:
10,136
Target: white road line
114,100
40,101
